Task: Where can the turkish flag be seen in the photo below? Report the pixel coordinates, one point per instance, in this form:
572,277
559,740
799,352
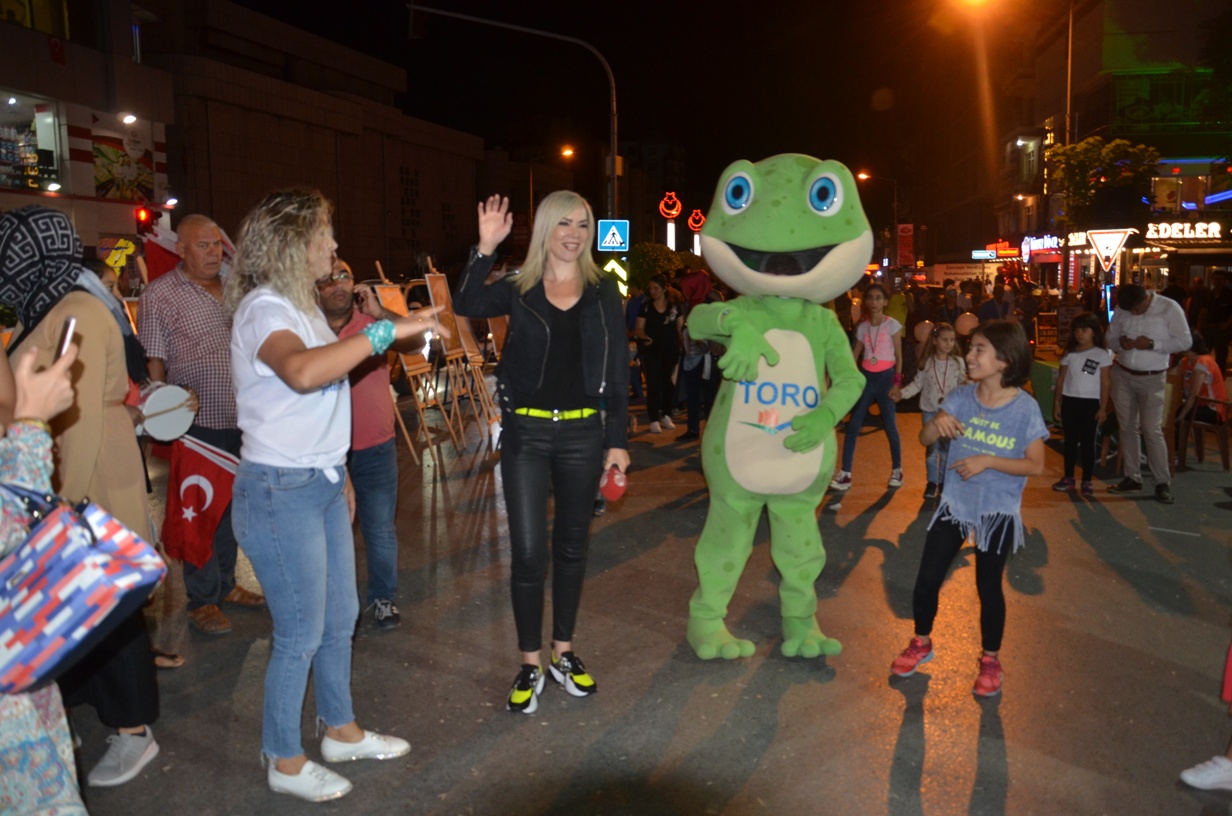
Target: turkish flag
198,492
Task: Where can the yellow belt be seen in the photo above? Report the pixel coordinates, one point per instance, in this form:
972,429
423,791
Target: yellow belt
541,413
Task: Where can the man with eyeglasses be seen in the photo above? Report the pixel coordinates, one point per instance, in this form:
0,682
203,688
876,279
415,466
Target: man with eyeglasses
186,334
373,461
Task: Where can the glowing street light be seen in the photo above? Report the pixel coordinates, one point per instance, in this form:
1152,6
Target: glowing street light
863,176
566,152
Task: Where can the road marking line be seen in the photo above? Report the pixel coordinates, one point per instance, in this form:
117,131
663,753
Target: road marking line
1178,532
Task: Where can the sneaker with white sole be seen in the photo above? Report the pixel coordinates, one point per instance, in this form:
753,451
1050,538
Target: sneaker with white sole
372,746
314,783
527,686
126,756
667,423
385,614
1214,774
841,480
656,428
570,673
896,478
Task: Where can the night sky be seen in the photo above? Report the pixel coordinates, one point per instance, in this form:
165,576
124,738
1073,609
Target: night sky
871,83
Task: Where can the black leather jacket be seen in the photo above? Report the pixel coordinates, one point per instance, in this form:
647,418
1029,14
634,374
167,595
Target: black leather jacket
605,347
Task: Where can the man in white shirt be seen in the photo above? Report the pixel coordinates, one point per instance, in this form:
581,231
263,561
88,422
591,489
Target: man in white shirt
1145,330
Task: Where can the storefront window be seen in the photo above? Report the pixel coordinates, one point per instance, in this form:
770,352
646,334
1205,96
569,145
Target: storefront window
47,16
28,135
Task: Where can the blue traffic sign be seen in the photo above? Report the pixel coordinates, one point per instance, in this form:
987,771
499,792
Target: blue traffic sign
613,236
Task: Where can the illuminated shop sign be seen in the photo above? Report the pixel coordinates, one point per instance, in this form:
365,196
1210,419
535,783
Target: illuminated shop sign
1044,243
1003,249
1206,231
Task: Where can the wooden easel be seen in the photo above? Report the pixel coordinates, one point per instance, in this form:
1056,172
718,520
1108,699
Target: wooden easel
418,372
457,361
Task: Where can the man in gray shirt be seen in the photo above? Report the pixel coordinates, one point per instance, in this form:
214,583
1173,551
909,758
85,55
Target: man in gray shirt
1146,328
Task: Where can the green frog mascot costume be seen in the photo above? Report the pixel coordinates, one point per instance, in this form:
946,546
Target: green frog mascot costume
788,234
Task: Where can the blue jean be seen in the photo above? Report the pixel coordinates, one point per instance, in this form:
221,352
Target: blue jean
374,475
294,525
938,454
877,387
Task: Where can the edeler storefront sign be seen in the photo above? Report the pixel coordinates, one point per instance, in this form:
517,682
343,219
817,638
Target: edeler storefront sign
1201,231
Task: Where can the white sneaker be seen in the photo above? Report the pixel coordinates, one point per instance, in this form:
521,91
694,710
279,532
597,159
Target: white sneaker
667,423
896,478
1214,774
372,746
841,480
314,783
655,428
128,754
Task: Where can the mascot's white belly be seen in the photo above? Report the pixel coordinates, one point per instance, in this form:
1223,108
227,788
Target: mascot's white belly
761,416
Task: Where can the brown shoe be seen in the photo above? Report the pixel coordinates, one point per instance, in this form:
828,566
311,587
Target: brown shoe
243,597
209,620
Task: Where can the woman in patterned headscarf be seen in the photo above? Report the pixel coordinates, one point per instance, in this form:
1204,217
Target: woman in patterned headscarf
96,455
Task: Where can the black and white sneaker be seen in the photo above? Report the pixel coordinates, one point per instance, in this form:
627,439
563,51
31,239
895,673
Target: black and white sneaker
385,614
570,673
527,686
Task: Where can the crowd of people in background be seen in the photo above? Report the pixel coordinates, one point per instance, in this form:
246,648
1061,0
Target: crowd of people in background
286,366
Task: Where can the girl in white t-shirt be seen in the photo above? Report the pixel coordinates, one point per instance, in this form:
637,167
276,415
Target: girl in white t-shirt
942,369
292,503
879,353
1080,401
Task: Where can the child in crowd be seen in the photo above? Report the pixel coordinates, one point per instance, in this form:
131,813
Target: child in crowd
879,340
997,440
942,369
1202,380
1081,395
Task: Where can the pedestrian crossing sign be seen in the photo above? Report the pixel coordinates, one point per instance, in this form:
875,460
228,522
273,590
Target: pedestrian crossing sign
613,235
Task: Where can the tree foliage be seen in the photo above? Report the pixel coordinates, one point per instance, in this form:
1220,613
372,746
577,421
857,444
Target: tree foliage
648,259
1216,107
1078,171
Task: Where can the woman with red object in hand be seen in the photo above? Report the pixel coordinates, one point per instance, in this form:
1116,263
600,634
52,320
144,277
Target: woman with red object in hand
563,387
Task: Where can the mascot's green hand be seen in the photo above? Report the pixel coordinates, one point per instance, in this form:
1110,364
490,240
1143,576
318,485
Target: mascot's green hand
744,352
810,429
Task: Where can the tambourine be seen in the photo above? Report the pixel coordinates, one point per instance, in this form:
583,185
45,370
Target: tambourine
166,414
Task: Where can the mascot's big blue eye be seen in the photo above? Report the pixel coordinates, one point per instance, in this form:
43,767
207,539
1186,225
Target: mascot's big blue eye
738,193
825,194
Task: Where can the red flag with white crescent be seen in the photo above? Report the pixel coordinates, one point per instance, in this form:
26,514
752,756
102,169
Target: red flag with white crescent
198,492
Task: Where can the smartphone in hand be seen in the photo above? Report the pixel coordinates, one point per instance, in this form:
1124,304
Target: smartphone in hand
66,336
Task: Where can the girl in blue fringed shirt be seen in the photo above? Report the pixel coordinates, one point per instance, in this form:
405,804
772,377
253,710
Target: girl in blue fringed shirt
996,434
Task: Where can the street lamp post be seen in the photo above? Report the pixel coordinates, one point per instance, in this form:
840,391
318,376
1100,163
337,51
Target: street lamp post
894,226
1069,96
611,79
566,152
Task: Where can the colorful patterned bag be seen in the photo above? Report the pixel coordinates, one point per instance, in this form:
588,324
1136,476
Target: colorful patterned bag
75,577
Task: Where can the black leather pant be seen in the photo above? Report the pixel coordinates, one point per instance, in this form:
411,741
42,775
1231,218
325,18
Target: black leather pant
568,456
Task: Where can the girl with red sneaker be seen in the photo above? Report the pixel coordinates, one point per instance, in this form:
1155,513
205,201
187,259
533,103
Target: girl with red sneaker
996,435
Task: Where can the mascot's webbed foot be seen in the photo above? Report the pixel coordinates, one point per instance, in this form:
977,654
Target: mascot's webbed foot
802,637
710,639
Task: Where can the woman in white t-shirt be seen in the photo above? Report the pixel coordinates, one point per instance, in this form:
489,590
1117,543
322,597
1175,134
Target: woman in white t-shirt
1080,401
879,341
292,501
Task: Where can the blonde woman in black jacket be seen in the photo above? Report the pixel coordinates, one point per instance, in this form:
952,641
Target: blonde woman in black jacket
563,387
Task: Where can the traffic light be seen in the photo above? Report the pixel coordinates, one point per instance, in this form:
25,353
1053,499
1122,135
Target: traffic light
146,219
